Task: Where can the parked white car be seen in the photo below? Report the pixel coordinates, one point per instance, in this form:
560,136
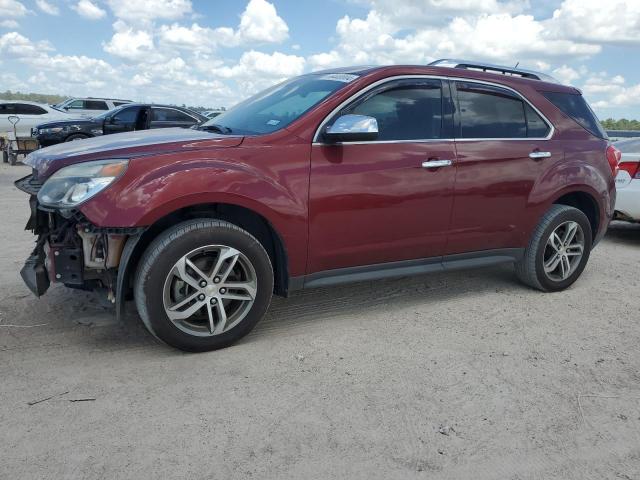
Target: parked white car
30,114
89,107
628,181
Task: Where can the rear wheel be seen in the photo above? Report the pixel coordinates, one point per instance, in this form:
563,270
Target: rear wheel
558,250
203,284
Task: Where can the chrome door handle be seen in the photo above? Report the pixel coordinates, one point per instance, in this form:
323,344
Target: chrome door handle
437,163
538,155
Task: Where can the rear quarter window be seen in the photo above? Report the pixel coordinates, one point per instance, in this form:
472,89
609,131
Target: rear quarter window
575,106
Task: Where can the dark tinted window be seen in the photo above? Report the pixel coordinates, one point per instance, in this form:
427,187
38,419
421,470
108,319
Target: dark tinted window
126,115
95,105
536,126
405,110
7,109
117,104
490,112
170,115
574,105
26,109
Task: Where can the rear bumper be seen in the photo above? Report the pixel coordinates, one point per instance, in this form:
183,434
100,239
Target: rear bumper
628,200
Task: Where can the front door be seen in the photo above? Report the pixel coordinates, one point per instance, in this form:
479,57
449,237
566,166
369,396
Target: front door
497,134
375,202
124,120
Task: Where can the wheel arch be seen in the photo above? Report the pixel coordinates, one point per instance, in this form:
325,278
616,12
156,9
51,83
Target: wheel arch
250,220
585,201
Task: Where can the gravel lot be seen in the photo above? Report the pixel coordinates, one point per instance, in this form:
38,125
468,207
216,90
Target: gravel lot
463,375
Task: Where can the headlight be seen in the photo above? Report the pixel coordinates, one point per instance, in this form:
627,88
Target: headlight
72,185
47,131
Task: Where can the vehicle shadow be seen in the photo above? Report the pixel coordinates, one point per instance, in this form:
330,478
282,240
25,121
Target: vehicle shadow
624,232
308,308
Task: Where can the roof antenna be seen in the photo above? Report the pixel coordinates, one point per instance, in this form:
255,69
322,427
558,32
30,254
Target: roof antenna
517,63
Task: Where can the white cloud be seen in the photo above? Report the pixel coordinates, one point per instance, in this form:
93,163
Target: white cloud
275,65
47,7
131,45
495,37
256,71
194,38
13,9
260,23
9,24
418,13
566,74
149,10
611,21
88,9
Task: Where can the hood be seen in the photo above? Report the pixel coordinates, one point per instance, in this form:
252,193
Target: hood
125,145
68,121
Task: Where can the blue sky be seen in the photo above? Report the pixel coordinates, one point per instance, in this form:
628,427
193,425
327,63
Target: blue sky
215,53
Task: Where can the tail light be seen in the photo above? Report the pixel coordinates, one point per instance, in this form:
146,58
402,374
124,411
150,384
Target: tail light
613,157
632,168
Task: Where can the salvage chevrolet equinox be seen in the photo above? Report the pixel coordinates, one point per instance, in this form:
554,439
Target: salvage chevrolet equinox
338,176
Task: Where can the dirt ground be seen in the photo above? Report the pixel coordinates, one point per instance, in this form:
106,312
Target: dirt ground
453,376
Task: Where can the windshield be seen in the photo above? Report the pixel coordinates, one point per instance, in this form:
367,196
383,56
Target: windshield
108,113
278,106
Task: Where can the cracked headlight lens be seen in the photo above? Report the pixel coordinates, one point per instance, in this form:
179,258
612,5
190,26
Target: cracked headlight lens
72,185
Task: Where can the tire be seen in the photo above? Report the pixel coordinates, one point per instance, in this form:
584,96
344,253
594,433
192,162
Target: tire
531,268
75,136
5,156
160,286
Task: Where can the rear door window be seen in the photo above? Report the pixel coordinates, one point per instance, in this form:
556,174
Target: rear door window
170,115
26,109
95,105
575,106
490,112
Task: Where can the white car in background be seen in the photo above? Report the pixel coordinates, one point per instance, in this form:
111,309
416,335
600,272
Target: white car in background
29,114
89,107
628,181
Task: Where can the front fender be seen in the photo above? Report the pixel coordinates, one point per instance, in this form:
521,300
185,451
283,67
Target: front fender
275,188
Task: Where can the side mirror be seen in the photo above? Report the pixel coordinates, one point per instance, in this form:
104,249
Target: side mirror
352,128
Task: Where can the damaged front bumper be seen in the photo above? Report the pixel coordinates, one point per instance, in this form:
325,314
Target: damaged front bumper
70,249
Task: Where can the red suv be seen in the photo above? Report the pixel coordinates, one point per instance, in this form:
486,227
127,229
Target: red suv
332,177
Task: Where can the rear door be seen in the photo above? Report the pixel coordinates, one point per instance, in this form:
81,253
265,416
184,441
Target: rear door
497,134
170,117
373,202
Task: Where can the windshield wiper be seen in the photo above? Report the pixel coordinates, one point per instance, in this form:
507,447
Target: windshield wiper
217,128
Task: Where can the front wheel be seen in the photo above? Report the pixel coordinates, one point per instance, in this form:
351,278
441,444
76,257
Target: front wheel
558,250
203,284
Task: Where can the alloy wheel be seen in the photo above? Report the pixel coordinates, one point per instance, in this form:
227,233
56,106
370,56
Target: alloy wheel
563,251
210,290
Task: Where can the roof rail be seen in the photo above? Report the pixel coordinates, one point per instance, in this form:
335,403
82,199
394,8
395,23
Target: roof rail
488,67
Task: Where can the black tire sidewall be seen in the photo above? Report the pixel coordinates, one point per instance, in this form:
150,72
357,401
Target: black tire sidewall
153,285
575,215
75,136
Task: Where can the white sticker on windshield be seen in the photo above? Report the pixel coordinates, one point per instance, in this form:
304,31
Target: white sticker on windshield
273,122
339,77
